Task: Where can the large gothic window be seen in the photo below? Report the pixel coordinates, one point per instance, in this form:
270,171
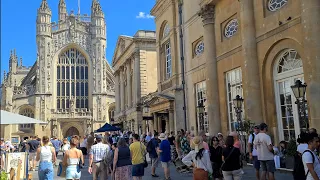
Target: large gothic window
72,80
29,113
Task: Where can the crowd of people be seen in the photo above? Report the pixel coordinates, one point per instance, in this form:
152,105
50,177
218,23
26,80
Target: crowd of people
122,155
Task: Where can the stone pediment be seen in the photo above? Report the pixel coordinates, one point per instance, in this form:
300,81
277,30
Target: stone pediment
122,43
159,99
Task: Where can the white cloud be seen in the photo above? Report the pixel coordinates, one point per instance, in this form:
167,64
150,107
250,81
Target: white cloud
143,15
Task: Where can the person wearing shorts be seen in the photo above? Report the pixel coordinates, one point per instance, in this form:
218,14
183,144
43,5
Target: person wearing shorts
138,151
263,144
253,151
154,154
32,146
165,155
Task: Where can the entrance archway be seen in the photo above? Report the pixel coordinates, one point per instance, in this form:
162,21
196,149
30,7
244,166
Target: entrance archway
72,131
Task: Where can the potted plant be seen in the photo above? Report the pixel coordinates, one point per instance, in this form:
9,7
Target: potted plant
291,151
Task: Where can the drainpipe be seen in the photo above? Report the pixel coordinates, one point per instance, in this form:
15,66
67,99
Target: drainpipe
182,65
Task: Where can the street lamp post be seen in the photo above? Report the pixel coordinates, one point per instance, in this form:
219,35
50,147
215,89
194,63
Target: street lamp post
200,109
237,103
299,91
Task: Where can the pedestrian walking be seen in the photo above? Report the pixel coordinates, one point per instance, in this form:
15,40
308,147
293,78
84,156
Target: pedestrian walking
264,146
138,151
216,158
200,158
253,154
32,146
152,148
171,139
71,159
184,144
56,144
165,155
231,168
310,160
221,140
122,165
90,141
46,155
96,166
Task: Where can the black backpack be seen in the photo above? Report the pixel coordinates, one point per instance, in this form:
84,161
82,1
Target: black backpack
150,146
253,136
298,169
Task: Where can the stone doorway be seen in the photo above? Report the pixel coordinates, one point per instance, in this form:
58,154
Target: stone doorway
72,131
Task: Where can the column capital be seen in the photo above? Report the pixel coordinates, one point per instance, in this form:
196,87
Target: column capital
136,53
207,14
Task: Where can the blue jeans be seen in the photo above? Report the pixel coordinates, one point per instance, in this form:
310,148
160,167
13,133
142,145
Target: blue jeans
45,171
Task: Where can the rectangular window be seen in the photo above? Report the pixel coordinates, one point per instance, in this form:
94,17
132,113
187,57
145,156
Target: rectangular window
86,72
63,89
78,103
67,89
72,88
58,89
72,72
58,72
168,60
82,72
78,89
86,89
201,99
234,88
67,72
77,72
63,72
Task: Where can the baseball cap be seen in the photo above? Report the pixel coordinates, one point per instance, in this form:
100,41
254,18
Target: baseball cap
98,136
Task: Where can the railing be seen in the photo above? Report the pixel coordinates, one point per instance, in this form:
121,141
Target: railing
65,113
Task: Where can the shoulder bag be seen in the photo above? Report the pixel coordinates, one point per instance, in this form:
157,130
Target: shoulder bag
145,163
227,157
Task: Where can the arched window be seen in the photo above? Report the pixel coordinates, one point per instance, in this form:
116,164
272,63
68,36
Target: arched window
29,113
73,81
166,30
288,69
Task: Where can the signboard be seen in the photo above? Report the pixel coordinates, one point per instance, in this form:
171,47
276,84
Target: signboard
12,161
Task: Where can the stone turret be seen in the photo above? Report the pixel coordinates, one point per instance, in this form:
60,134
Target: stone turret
13,63
62,8
97,20
44,20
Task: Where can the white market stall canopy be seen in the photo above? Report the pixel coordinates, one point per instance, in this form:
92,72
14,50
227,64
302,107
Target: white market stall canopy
11,118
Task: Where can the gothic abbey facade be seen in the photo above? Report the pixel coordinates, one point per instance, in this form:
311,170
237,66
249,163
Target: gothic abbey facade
70,85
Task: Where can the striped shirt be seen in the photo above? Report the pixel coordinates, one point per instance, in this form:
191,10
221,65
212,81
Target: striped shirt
98,151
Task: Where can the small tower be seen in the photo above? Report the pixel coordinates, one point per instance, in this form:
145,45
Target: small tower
13,62
62,10
97,20
44,20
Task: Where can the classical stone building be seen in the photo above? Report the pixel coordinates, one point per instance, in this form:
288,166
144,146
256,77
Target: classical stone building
253,48
70,85
135,66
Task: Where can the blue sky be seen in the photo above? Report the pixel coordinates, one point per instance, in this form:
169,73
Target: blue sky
18,23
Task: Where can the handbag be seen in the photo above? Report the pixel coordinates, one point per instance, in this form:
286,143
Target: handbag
145,163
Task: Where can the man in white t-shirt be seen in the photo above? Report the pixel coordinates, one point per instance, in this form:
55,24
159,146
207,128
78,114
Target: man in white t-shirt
262,142
253,151
310,159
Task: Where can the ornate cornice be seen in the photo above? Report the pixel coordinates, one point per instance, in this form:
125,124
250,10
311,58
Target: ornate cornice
207,14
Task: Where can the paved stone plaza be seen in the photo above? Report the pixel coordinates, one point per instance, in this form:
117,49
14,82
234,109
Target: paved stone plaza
249,174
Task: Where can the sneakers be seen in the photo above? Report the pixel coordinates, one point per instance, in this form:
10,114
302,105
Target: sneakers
154,175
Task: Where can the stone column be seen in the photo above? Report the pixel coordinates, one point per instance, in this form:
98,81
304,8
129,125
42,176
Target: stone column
250,68
117,91
167,124
137,79
310,19
122,89
207,13
129,88
143,126
171,121
150,123
155,121
159,120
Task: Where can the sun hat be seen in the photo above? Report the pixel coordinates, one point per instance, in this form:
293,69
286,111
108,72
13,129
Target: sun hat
197,143
162,136
220,134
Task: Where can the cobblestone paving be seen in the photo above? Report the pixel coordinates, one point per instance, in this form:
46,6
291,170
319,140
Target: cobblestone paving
249,174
